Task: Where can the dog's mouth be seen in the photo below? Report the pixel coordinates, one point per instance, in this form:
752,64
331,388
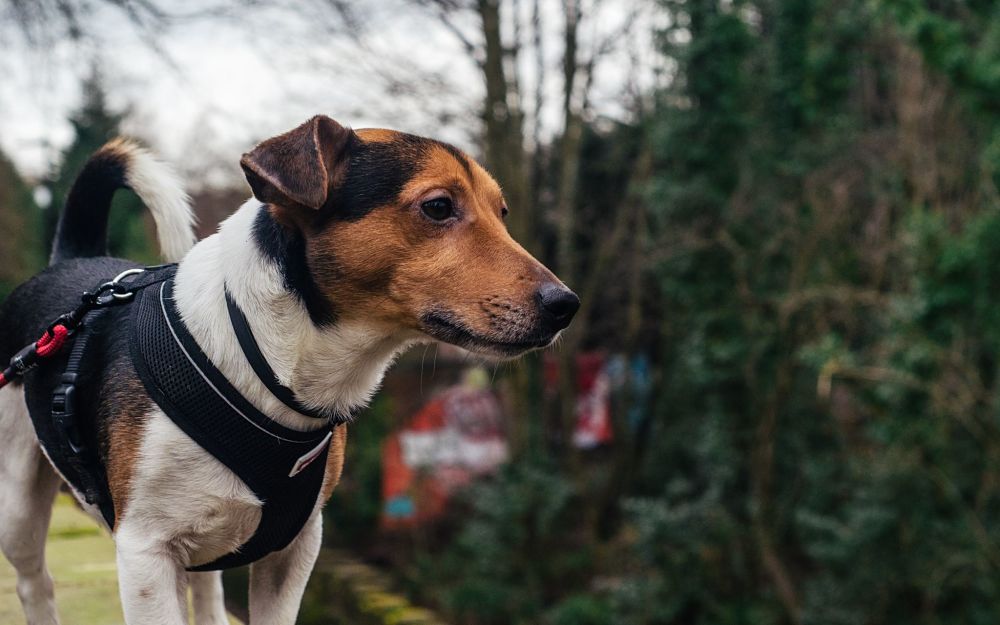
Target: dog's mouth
444,327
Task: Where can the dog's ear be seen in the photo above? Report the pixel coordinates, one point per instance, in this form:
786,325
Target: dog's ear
299,167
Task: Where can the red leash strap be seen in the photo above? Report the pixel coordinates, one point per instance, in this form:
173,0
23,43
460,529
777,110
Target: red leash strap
49,344
52,341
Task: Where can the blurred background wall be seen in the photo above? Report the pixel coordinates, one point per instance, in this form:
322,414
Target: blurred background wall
779,402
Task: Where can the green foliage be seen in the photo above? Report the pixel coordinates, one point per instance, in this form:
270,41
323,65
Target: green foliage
962,41
826,439
356,504
21,253
713,127
581,610
519,541
909,518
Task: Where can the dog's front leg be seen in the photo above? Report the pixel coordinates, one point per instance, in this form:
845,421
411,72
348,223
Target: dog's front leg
207,598
278,580
151,580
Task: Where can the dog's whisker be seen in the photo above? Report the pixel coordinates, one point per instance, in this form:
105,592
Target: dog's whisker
422,356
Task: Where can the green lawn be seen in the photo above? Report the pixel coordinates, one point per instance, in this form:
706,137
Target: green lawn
82,560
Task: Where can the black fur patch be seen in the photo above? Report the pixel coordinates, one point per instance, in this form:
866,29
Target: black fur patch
287,248
459,156
376,173
83,228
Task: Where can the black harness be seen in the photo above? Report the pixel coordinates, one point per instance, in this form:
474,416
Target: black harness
283,467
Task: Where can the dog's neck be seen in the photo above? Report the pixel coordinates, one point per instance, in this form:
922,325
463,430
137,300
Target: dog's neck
337,367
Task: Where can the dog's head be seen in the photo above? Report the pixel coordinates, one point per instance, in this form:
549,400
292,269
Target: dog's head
402,231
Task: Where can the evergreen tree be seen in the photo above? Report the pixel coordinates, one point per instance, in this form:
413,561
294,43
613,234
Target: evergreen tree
21,252
94,124
827,434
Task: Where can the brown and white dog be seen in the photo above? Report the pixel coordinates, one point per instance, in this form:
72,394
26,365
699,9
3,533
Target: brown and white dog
356,245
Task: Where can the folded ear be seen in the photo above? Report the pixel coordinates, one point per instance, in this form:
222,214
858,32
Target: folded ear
301,166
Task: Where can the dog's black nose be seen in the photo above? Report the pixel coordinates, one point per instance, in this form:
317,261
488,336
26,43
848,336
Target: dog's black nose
559,304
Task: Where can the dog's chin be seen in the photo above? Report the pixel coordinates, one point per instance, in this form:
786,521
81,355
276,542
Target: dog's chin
445,328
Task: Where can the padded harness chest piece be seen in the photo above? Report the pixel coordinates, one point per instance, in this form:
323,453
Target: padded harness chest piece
283,467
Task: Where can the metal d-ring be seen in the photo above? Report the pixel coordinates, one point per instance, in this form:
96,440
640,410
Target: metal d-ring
116,282
115,288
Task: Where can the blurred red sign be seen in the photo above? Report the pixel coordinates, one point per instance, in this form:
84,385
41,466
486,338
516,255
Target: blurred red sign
593,399
455,437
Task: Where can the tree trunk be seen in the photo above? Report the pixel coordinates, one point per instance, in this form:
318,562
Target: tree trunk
504,124
508,161
566,226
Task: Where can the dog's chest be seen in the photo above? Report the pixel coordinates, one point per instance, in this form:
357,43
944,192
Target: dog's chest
184,499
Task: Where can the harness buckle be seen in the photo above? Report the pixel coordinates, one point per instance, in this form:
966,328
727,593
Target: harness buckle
64,414
68,431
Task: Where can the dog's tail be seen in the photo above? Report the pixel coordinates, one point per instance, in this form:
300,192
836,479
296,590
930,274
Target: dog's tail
83,225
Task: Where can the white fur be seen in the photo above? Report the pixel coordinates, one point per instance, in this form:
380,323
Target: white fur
200,508
161,191
279,579
187,509
207,599
28,484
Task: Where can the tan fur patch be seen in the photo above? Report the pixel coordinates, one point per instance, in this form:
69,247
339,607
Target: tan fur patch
124,435
118,148
377,135
395,264
334,462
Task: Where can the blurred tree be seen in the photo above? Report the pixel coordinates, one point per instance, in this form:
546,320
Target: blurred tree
21,252
962,42
825,442
47,22
130,228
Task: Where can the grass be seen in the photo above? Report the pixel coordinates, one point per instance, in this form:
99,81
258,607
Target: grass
81,558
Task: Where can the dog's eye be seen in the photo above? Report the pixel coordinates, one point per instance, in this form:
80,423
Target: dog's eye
503,212
438,209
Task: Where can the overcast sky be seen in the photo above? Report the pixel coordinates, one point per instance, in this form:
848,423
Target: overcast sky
219,84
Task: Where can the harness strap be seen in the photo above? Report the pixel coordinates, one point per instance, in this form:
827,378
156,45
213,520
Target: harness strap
263,369
71,438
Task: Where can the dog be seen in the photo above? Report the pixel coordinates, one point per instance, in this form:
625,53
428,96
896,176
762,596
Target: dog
356,245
